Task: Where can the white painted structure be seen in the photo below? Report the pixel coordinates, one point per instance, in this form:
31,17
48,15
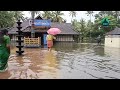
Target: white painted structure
112,39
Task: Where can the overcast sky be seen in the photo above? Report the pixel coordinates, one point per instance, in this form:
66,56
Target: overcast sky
80,14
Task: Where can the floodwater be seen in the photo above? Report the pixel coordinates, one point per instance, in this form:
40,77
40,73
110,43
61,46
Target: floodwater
65,61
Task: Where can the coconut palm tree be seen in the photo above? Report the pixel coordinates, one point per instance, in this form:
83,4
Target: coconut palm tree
57,16
82,28
54,16
90,13
18,15
116,14
73,14
47,14
7,19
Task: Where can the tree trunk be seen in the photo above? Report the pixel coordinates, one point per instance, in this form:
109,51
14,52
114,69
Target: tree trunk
90,27
71,19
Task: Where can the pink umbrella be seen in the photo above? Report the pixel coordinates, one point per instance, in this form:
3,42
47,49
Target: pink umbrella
54,31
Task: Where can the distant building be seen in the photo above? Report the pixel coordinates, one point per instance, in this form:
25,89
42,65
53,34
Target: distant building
112,38
67,32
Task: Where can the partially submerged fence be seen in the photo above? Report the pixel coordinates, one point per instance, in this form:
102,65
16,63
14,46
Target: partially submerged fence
32,42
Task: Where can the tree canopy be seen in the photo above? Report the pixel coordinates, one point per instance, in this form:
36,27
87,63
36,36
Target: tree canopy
96,28
8,18
84,28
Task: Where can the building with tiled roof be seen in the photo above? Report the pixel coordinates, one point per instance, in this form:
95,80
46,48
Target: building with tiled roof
67,32
112,38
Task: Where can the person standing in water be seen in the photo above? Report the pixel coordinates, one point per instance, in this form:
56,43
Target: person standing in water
99,40
4,49
50,39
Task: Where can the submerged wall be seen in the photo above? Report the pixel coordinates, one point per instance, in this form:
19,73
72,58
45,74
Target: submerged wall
112,41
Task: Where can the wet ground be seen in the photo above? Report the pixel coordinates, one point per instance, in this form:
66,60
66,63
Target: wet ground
65,61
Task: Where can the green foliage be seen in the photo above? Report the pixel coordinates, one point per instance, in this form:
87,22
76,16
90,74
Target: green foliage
85,29
93,29
47,15
76,26
54,16
89,28
8,18
112,23
57,16
18,15
72,13
82,27
89,13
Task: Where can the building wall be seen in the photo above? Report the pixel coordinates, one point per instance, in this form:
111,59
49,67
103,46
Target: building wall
112,41
60,38
13,37
64,38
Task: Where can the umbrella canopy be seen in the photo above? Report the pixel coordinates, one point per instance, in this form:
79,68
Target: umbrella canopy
54,31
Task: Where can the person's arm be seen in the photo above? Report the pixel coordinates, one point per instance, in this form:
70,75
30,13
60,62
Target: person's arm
54,37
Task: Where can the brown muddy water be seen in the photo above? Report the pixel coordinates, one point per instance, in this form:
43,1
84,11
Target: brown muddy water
65,61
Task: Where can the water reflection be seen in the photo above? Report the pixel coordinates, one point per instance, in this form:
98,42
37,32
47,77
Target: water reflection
33,64
65,46
112,52
67,60
89,61
99,50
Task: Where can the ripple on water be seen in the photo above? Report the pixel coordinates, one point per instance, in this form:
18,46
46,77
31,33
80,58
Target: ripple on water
79,61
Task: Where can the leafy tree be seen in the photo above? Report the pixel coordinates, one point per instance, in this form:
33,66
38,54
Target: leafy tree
6,19
80,27
57,16
76,26
111,26
89,13
18,15
73,14
47,15
89,28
